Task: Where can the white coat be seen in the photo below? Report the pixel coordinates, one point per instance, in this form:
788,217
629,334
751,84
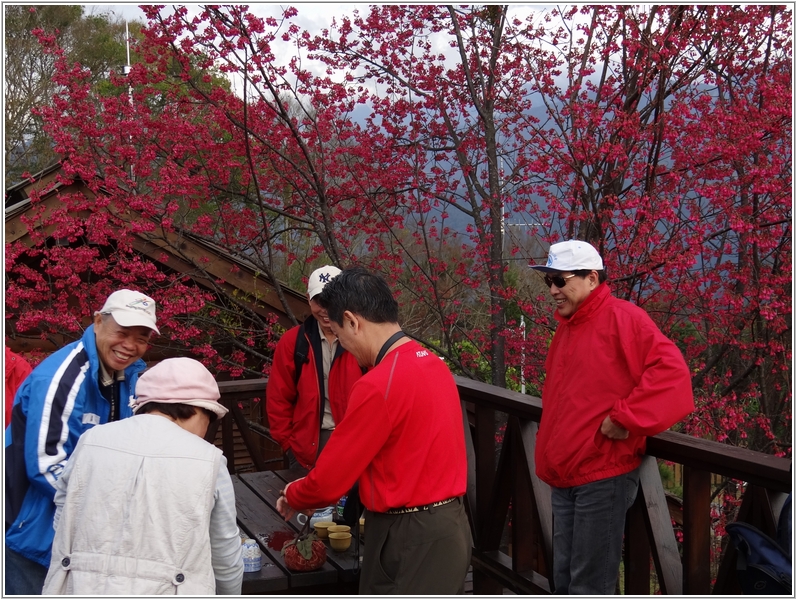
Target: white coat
135,520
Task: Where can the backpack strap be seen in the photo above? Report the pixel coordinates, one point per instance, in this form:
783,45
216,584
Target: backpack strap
301,353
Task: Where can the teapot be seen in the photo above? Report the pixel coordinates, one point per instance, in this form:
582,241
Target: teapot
322,514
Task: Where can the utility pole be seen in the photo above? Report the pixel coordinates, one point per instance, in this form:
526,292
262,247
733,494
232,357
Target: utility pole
127,70
523,356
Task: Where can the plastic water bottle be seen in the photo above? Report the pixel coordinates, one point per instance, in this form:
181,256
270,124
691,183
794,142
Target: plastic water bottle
341,505
252,557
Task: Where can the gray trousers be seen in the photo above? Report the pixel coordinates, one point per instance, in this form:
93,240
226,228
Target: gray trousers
420,553
588,526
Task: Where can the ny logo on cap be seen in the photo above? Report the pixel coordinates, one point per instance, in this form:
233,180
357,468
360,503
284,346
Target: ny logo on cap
324,277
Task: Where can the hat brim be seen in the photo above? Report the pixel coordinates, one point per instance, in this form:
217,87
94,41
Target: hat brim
126,319
545,269
214,407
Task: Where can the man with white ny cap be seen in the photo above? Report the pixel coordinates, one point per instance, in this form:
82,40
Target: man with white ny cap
611,379
311,375
84,384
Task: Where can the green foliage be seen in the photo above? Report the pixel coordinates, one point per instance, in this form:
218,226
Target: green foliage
470,362
95,42
473,359
667,474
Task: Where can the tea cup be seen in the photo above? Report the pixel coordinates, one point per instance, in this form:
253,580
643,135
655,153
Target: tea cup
339,529
322,528
340,540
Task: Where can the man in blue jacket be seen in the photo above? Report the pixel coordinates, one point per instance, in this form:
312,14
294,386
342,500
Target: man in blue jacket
86,383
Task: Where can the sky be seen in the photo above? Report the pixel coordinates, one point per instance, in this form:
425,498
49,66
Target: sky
312,16
318,13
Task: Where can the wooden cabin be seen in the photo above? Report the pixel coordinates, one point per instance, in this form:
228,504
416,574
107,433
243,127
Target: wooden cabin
208,265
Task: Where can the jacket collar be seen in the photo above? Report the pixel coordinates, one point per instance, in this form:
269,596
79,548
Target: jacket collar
588,307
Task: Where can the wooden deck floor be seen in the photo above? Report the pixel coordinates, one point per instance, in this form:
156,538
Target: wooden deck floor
469,585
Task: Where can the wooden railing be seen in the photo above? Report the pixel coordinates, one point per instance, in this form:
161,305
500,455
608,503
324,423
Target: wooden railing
502,485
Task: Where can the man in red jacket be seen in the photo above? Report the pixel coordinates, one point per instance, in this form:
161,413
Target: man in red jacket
303,411
403,438
17,369
611,379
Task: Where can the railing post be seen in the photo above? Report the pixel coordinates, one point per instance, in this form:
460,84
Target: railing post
697,531
540,498
485,477
658,524
526,549
636,551
470,492
485,460
227,442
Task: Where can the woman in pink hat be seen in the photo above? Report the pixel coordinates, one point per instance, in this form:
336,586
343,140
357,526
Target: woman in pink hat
146,505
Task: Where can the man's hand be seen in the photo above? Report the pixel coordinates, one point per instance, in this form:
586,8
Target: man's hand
282,505
285,509
612,431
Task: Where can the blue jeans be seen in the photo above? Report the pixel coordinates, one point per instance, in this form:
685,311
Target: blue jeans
588,526
23,577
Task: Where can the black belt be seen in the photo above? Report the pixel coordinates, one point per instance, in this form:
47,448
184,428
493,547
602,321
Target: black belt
412,509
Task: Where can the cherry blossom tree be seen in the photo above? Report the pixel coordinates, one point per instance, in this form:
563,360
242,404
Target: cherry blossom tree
94,40
411,138
670,150
659,134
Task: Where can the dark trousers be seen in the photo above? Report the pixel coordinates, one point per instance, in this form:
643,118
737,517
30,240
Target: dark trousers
323,438
23,577
588,526
421,553
352,510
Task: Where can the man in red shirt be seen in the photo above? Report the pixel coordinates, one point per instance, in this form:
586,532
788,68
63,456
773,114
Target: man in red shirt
403,439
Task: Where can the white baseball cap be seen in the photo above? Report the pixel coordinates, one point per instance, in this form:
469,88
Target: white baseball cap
572,255
319,278
130,309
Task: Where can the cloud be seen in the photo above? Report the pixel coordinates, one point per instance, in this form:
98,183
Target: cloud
313,16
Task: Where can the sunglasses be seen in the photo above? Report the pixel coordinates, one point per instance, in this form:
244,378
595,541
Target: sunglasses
557,280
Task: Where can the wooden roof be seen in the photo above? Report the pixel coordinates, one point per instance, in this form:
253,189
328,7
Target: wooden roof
182,252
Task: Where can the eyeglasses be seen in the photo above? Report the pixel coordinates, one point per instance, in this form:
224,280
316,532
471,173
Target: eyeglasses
557,280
